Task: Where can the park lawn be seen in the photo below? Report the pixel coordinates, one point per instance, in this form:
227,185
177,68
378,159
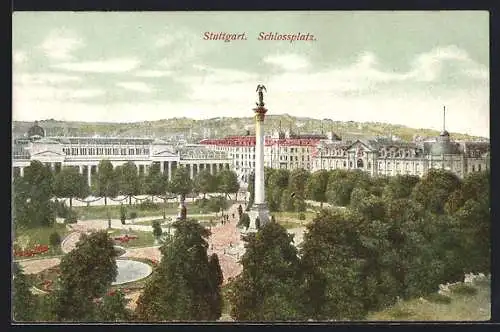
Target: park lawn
101,212
291,219
40,235
199,217
144,239
461,308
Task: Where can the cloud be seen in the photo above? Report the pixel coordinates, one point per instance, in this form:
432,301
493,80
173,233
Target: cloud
44,78
40,93
428,66
287,61
59,45
135,86
104,66
19,57
154,73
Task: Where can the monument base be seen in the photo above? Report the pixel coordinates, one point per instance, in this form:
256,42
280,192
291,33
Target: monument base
262,212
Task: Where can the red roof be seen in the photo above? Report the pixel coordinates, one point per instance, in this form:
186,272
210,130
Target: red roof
250,141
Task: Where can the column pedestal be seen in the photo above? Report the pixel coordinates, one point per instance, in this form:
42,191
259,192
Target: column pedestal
262,212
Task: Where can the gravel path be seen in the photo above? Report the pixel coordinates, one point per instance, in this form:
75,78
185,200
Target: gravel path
38,265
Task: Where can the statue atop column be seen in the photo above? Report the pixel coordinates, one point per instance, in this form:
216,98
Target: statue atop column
260,89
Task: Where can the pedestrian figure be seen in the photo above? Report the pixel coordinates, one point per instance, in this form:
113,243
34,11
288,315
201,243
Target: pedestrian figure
230,244
233,215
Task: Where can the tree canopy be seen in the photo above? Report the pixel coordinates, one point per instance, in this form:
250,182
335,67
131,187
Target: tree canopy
186,283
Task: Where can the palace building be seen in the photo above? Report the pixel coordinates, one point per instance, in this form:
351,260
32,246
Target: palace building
86,153
387,157
282,149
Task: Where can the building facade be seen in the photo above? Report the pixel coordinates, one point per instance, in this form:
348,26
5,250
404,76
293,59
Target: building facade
387,157
281,150
85,153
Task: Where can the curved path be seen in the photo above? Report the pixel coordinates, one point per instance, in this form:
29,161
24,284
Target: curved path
34,266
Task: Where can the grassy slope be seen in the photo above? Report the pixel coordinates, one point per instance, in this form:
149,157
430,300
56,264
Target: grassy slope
461,308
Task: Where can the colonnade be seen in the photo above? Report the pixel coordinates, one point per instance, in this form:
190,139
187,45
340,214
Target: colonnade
143,168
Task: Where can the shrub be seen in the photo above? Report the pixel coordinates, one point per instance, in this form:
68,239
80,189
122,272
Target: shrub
216,204
462,289
148,205
302,216
157,231
61,209
257,223
438,298
273,219
55,239
71,218
400,313
201,202
133,214
123,214
244,220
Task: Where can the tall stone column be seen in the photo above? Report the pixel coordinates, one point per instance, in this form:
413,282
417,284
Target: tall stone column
89,175
259,209
191,171
169,167
162,167
21,171
212,169
80,169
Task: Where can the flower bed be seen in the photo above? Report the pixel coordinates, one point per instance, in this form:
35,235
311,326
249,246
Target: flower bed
125,238
39,249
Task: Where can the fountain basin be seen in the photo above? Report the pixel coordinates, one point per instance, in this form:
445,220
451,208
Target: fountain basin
131,270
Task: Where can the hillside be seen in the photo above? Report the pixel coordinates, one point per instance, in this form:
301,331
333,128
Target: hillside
220,127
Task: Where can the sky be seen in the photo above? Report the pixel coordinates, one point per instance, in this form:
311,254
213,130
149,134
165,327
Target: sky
394,67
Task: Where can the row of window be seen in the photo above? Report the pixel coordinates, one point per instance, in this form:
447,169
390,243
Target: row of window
105,151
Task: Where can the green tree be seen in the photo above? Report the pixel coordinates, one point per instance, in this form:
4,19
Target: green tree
333,271
370,206
32,197
54,239
276,184
184,285
339,188
70,183
157,231
298,186
23,301
108,183
435,188
269,286
317,186
286,201
114,308
86,274
123,214
129,180
244,220
181,183
204,182
228,182
251,190
400,186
